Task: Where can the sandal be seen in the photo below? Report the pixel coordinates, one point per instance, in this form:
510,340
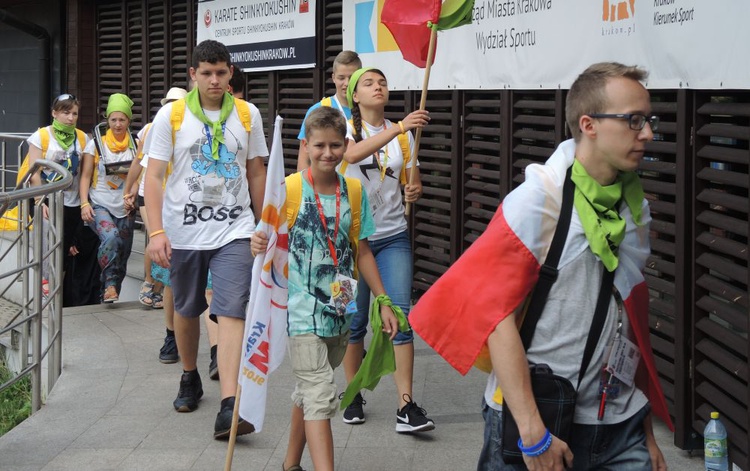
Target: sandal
157,301
146,295
295,467
110,295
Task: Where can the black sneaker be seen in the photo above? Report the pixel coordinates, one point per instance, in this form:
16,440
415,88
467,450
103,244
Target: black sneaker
213,367
223,424
191,390
412,418
168,352
354,413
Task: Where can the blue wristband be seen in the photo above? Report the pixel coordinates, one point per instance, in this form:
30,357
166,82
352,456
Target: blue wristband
539,448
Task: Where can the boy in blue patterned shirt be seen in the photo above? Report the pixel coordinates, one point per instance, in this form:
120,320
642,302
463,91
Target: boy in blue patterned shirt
322,282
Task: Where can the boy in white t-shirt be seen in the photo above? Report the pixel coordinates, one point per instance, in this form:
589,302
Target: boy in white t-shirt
203,219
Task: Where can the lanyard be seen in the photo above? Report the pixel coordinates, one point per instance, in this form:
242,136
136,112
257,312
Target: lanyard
331,245
384,165
208,134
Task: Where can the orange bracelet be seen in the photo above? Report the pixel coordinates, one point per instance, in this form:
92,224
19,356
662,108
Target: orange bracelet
401,125
156,233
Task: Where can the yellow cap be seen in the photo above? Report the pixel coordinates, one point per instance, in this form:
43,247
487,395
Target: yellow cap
714,415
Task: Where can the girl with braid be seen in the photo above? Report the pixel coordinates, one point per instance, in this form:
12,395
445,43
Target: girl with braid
378,154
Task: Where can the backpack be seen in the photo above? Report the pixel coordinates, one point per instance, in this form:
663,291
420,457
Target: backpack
354,194
403,141
44,136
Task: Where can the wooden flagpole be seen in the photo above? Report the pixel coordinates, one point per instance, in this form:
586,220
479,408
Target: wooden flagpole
422,104
233,430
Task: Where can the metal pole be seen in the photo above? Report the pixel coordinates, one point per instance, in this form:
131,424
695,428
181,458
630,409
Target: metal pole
24,259
54,361
36,323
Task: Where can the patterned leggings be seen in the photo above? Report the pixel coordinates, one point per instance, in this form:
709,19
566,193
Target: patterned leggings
116,240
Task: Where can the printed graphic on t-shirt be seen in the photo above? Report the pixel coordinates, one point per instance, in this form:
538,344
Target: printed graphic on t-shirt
372,170
216,184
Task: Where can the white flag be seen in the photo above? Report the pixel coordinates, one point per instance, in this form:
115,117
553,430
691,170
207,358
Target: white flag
266,321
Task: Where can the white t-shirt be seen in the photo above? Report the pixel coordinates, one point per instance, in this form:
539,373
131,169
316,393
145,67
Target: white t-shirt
109,188
206,202
385,197
55,153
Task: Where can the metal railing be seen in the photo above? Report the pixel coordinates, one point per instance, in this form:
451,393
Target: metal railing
37,243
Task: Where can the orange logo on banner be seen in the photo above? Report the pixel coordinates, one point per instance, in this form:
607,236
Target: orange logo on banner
304,6
615,10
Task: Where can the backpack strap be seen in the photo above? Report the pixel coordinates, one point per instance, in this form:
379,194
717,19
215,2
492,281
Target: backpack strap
293,197
403,140
81,139
354,193
146,130
44,137
243,111
177,116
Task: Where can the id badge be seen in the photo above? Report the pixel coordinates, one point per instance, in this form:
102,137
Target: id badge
623,360
376,201
213,189
344,295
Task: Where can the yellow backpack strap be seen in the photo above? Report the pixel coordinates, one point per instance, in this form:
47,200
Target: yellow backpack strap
293,197
243,110
354,193
81,139
326,102
176,117
24,167
403,140
44,137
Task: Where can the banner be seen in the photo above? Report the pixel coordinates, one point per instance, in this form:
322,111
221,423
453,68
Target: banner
545,44
265,318
261,34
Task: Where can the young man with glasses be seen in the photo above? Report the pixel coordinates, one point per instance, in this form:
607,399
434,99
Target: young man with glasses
608,112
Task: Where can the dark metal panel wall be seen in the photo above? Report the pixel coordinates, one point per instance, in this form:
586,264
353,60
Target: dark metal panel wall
720,277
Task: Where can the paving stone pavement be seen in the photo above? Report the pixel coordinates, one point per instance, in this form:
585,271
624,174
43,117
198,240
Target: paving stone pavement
112,409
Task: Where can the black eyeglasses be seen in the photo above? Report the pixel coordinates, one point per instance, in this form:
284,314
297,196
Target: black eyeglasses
636,121
63,97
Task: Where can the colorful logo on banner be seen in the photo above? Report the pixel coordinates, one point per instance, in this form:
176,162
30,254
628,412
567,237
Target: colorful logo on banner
618,10
370,35
207,17
304,6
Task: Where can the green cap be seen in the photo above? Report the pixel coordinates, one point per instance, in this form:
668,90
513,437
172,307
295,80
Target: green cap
120,102
353,84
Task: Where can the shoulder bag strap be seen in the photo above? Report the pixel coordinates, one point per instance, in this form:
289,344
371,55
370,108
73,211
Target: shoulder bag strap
548,272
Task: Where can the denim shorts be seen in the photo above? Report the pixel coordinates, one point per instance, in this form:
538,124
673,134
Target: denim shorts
313,361
231,271
614,447
393,257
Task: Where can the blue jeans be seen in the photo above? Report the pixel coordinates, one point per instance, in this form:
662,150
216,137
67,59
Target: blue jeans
116,240
595,447
393,257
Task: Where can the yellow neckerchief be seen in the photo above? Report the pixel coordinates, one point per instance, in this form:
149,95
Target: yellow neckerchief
384,166
113,144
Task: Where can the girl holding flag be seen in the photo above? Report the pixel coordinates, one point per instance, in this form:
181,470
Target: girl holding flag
376,154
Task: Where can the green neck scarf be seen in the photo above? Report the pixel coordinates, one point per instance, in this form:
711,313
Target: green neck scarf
597,209
217,133
65,134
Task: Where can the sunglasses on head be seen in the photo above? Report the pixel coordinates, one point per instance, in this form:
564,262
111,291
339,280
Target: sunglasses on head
63,97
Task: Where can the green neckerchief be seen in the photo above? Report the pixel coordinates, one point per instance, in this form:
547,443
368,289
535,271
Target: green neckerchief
380,359
217,133
597,209
64,134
